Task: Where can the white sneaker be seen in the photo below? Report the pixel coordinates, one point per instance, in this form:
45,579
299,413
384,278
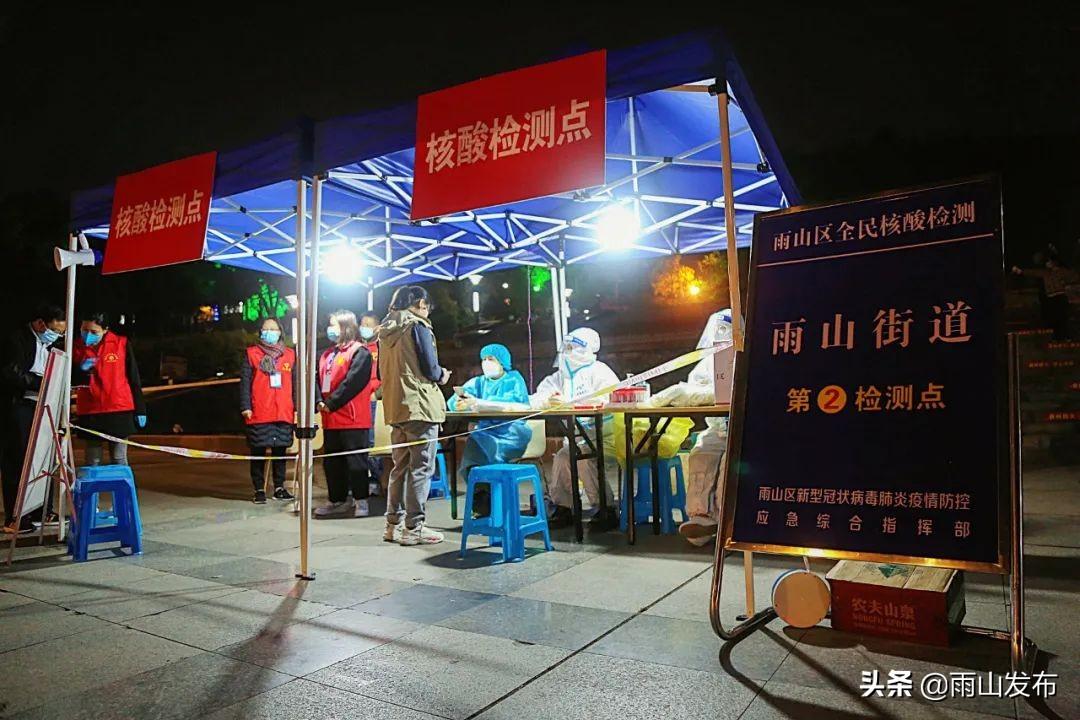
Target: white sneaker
362,509
698,531
420,535
392,532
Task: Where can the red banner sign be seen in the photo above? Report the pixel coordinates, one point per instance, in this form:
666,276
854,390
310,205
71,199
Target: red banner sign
514,136
159,215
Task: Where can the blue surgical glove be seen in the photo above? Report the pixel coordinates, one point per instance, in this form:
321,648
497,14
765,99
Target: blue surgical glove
88,364
141,419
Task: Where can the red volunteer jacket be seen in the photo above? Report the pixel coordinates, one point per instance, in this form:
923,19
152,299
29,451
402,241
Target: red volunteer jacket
109,389
271,404
346,410
373,348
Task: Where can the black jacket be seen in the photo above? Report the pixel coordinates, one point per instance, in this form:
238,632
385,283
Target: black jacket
18,357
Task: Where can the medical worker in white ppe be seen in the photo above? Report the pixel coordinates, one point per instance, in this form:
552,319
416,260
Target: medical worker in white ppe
702,488
578,376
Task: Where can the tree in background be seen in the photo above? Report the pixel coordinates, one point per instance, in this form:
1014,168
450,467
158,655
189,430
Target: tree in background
267,302
448,316
702,280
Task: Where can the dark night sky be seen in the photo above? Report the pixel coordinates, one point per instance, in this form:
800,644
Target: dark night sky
859,97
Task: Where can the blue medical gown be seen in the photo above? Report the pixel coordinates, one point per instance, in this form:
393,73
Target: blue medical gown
488,444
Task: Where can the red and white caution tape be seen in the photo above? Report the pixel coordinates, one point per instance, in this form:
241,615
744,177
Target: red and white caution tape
678,363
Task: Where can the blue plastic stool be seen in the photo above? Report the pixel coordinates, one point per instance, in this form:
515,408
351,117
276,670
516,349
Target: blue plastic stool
122,524
505,526
440,486
669,501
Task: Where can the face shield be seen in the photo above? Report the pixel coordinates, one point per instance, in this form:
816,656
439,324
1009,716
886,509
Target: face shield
717,329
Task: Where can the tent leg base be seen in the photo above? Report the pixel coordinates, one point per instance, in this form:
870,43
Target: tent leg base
302,576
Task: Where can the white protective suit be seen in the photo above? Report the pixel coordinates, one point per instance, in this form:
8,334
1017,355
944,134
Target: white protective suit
702,488
579,375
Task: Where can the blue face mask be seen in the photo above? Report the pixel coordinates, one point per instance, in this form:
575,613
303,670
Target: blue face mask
366,332
49,336
91,339
333,334
270,337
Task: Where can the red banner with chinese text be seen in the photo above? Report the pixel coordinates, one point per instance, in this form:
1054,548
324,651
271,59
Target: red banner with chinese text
159,215
514,136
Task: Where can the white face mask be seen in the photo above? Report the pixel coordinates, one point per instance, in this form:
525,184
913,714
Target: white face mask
492,369
579,359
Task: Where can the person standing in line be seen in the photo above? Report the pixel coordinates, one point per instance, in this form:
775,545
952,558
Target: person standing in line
25,354
1056,279
414,408
110,399
344,390
268,405
369,327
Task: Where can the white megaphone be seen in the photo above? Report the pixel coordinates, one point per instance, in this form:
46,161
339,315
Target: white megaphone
83,256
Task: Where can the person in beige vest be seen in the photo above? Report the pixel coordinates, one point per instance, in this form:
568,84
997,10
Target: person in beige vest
414,408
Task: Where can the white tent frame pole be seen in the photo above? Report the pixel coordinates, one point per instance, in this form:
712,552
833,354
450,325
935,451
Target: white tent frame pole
722,99
306,377
737,333
312,335
69,343
556,308
564,307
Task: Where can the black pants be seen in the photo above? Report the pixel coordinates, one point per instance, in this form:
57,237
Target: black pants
16,437
277,468
347,471
1057,314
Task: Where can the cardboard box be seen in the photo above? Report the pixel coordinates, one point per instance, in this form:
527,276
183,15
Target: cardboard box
723,374
904,602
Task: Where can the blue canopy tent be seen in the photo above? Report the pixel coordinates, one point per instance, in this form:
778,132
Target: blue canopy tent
664,187
663,160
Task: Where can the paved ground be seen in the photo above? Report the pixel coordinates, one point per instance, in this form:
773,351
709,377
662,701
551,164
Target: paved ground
210,622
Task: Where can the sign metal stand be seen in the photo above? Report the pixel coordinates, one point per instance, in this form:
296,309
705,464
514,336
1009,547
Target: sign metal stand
1009,497
57,467
1022,651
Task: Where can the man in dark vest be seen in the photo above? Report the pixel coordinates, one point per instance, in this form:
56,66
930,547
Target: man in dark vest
25,354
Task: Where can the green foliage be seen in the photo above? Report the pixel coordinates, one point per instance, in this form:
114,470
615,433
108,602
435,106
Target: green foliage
267,302
539,278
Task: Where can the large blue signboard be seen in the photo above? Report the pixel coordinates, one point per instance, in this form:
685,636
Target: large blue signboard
870,416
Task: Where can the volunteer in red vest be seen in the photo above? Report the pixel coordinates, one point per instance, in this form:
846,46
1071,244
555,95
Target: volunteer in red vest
110,399
267,402
344,386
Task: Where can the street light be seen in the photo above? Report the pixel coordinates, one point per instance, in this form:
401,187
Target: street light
475,279
617,227
344,265
506,286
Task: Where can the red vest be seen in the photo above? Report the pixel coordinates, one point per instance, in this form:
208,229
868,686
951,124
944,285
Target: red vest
355,414
270,404
373,348
109,390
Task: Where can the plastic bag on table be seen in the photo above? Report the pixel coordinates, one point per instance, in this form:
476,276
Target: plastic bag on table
674,435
